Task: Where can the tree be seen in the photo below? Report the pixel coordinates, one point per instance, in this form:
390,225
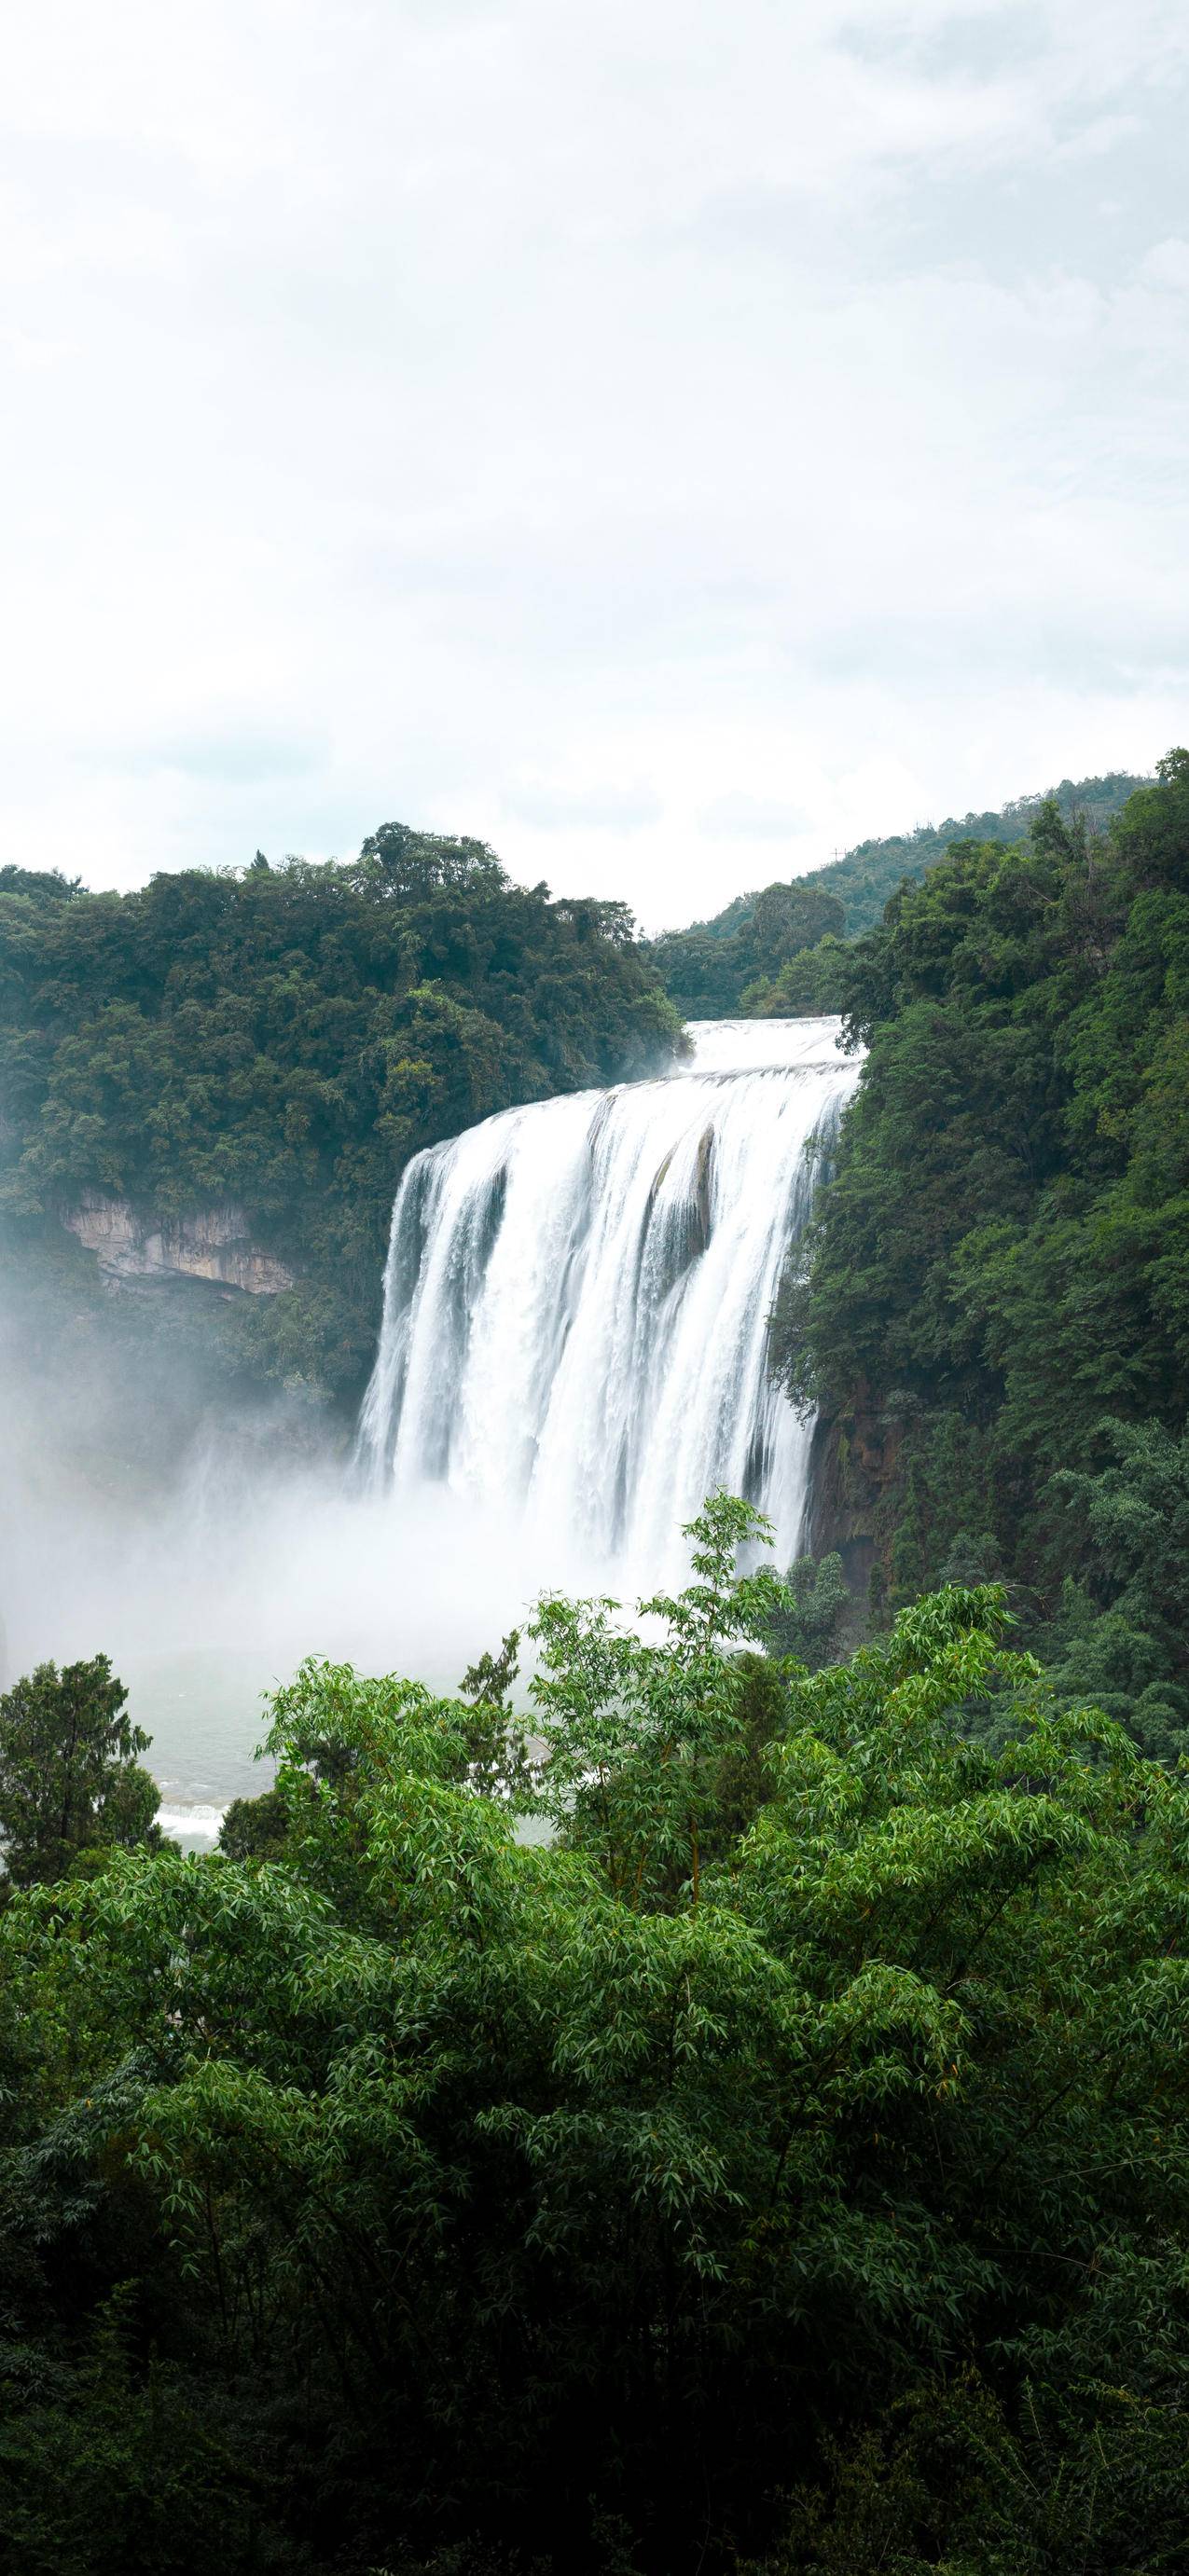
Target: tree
634,1732
810,983
255,1828
809,1622
69,1777
706,969
1119,1639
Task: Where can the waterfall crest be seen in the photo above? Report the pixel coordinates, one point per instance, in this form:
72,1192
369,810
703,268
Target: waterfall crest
577,1293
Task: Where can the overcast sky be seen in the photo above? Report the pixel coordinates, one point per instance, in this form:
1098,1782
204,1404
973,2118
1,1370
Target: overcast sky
669,439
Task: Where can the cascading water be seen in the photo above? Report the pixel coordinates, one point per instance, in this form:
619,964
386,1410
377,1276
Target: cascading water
577,1296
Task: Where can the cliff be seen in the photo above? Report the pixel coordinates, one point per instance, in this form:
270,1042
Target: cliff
856,1468
210,1243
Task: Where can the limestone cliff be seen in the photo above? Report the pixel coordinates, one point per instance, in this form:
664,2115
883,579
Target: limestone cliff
208,1243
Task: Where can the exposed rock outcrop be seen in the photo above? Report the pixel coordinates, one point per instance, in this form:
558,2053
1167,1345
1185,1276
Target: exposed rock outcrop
855,1468
211,1243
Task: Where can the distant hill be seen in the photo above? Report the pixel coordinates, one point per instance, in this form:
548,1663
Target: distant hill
706,968
871,872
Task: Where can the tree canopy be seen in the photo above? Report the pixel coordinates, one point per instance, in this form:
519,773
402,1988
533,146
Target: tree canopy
795,2180
707,969
284,1037
69,1778
1002,1256
775,953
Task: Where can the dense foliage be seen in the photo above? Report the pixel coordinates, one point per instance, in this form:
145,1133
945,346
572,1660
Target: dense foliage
1002,1259
283,1038
813,981
867,876
787,2165
706,970
777,952
70,1782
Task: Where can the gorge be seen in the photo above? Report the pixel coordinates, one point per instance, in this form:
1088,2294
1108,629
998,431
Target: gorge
573,1352
593,1214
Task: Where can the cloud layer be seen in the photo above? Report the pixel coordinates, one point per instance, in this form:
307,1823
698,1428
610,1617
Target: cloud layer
669,442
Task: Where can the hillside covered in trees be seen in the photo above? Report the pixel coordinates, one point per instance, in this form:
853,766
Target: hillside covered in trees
776,951
992,1304
284,1038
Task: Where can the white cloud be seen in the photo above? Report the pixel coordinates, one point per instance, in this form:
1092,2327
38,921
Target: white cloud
1167,264
606,808
760,818
564,426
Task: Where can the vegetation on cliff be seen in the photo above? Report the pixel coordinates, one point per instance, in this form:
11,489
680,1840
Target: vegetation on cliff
785,2167
285,1038
1002,1257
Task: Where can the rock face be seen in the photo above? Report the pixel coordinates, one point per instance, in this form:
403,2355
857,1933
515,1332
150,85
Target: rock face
855,1469
212,1243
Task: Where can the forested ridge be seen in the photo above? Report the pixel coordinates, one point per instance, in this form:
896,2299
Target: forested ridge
999,1267
777,950
285,1038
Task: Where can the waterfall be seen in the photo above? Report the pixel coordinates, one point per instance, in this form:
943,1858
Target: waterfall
577,1295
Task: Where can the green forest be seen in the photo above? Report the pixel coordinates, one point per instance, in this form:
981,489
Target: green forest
284,1038
776,951
995,1288
783,2167
777,2162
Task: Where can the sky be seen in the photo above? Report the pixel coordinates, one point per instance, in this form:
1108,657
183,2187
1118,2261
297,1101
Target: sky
668,439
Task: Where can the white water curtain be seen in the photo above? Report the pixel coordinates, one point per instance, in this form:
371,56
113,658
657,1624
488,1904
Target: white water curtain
577,1298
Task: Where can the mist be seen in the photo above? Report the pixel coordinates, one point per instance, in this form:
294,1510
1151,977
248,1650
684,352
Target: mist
206,1543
